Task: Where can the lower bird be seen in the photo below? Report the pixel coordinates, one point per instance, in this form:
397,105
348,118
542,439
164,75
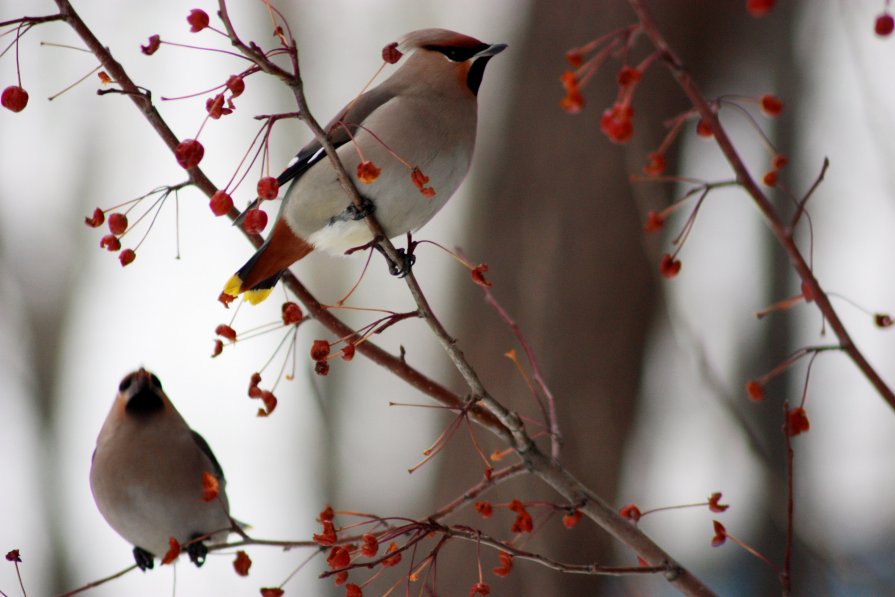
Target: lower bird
150,475
407,144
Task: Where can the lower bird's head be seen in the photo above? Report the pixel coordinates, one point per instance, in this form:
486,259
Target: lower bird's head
141,393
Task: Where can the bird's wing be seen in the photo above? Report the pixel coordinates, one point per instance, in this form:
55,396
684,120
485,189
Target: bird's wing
340,130
206,449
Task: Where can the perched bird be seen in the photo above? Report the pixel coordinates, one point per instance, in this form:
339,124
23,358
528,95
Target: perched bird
147,475
407,144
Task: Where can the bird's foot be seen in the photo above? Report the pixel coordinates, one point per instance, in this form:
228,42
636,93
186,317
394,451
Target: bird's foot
404,265
366,208
401,266
197,552
144,559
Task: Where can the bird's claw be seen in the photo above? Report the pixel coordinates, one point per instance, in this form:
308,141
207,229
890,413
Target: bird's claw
197,551
366,208
144,559
404,263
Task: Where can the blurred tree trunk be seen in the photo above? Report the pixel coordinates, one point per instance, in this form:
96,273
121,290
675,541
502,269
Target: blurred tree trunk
558,222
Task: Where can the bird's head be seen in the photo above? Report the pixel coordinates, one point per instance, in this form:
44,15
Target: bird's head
443,57
140,393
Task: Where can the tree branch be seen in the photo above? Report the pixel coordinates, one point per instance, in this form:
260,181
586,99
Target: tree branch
783,234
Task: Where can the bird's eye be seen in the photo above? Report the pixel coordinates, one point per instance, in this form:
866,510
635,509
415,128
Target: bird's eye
125,383
155,381
454,53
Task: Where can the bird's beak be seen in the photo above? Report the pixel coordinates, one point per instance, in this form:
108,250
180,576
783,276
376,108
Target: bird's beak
491,50
141,380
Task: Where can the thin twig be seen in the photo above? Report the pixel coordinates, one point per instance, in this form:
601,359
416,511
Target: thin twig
496,478
99,582
786,573
800,209
551,416
33,20
470,534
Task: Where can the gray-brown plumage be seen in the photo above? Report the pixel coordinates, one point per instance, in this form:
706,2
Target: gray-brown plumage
423,116
147,474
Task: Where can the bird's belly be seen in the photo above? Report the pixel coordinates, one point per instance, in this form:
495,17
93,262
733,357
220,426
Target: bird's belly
400,206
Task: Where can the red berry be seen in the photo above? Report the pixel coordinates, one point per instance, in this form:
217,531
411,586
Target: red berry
703,129
371,545
654,221
291,313
367,172
759,8
117,223
255,221
655,165
797,421
630,512
628,76
152,47
882,320
484,508
268,188
110,242
97,219
569,520
236,85
669,267
755,390
883,26
391,53
189,153
771,105
126,257
225,331
14,98
221,203
320,350
215,107
573,103
615,123
198,20
720,534
575,58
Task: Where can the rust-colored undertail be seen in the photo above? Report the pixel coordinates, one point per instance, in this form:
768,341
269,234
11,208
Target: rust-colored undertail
263,270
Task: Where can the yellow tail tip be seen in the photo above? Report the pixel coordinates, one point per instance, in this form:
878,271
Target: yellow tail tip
256,296
233,286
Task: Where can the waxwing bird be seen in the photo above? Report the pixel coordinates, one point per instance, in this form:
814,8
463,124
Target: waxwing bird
147,475
417,128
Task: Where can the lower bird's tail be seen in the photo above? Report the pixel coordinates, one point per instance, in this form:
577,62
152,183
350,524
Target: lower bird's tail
263,270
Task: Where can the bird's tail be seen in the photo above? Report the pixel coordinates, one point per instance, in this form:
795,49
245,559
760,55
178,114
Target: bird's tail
263,270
